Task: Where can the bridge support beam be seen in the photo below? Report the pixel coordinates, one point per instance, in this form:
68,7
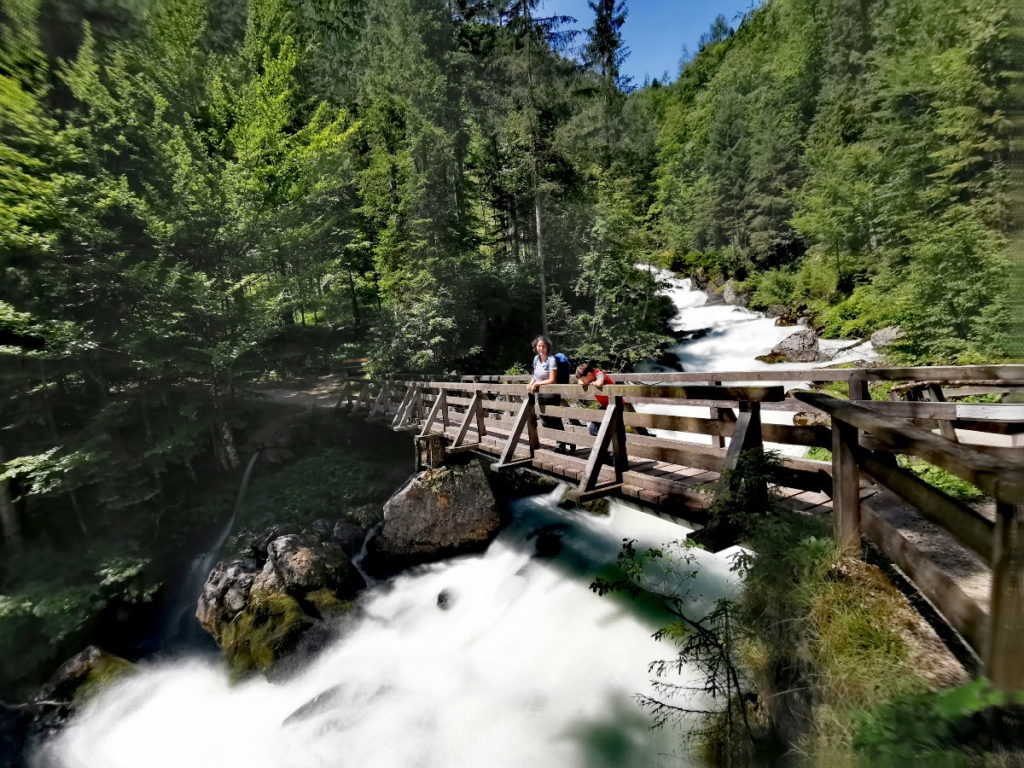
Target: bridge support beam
845,486
1004,662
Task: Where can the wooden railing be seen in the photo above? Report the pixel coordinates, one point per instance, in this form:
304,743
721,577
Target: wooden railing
865,439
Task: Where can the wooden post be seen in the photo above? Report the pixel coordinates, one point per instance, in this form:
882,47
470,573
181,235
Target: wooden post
859,389
717,414
364,396
481,429
430,451
378,404
1004,660
845,486
946,429
345,395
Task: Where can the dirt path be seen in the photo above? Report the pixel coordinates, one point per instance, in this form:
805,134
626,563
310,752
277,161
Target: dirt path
317,393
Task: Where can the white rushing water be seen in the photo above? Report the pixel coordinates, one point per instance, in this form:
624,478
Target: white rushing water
736,337
525,667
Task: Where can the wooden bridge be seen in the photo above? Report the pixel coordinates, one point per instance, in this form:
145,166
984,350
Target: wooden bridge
967,560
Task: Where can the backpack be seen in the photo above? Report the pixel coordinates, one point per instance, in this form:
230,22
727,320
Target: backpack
564,367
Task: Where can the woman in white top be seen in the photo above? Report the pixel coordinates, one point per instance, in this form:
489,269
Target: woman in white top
545,371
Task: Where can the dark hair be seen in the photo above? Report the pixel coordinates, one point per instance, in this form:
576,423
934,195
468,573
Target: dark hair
546,340
583,369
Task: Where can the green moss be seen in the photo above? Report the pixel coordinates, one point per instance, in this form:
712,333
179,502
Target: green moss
107,670
819,454
329,604
263,633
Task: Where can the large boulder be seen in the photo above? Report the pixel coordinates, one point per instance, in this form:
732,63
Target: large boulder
886,336
225,594
305,563
271,607
75,682
800,347
733,294
436,514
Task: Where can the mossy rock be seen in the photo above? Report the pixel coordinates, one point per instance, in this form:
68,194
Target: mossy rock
83,676
328,604
269,629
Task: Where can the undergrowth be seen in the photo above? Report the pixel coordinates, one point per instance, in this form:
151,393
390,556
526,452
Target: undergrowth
816,639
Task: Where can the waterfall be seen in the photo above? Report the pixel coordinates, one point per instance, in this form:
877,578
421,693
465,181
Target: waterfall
182,628
504,659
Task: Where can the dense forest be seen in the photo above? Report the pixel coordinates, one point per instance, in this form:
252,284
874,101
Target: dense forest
201,194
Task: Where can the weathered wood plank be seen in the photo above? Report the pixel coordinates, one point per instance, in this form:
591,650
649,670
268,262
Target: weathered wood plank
845,486
967,525
697,392
1004,662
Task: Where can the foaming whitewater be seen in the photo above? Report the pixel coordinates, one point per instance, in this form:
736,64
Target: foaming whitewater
736,337
524,666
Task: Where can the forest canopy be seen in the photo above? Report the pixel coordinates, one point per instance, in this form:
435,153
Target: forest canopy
200,194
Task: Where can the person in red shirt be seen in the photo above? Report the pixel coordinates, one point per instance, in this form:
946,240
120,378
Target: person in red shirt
587,374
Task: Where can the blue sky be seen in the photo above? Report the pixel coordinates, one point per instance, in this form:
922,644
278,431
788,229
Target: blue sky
656,30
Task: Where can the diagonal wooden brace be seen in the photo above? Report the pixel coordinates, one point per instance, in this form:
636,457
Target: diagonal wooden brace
612,433
473,411
439,404
378,404
525,419
400,414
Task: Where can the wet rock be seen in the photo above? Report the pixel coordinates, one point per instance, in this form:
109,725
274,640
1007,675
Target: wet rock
886,336
349,536
784,316
264,613
267,631
549,544
714,298
321,528
319,703
78,680
445,598
733,294
669,360
800,347
225,594
436,514
304,564
259,545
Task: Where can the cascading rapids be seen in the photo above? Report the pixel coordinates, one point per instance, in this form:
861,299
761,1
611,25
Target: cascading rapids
517,664
735,338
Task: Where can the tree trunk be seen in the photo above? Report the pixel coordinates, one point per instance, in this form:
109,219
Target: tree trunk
540,264
9,522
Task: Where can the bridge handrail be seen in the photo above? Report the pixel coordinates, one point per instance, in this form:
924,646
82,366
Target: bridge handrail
1001,374
997,471
774,393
